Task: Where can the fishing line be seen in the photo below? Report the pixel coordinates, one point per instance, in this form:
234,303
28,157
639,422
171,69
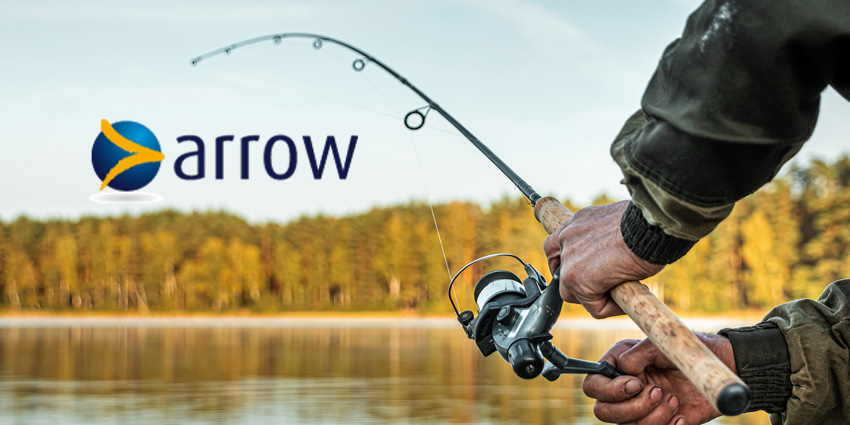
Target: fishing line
358,65
331,98
502,297
421,174
302,90
431,205
377,111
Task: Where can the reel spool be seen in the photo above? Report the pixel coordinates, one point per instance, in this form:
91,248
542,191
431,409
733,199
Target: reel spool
514,319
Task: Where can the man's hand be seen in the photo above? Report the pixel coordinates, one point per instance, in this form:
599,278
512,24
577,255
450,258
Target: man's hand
652,390
594,258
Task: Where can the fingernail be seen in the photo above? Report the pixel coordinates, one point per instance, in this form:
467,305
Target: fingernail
680,421
655,395
633,386
674,404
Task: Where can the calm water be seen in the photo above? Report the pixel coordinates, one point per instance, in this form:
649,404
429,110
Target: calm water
255,371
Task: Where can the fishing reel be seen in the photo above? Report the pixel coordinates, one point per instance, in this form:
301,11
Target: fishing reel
514,319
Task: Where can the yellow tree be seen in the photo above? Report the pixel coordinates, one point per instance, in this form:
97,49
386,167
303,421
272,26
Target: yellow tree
66,262
130,290
288,270
762,272
213,271
459,224
104,268
390,259
158,267
341,274
246,276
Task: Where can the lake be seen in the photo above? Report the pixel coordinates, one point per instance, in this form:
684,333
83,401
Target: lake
284,370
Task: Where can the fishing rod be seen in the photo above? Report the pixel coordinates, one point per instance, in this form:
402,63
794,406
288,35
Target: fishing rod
515,316
358,65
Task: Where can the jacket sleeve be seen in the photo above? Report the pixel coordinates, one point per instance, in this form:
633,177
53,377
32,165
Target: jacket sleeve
730,102
797,362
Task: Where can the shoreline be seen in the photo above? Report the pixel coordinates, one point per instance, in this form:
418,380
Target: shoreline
336,320
571,313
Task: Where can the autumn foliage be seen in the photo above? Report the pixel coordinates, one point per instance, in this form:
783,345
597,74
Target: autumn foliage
787,241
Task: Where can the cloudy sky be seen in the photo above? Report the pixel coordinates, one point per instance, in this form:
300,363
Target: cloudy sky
545,84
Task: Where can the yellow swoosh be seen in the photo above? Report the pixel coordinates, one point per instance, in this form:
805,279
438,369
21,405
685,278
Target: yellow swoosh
140,153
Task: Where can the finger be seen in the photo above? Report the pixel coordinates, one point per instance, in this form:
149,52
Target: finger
568,296
643,354
599,306
663,413
620,347
604,388
678,420
611,390
632,409
602,307
552,248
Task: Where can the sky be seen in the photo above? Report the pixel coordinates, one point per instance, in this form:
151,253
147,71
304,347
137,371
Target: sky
545,84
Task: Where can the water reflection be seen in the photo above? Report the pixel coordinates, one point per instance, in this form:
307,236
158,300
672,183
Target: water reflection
253,371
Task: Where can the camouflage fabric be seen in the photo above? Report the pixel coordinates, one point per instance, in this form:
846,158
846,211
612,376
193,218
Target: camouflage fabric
817,334
730,102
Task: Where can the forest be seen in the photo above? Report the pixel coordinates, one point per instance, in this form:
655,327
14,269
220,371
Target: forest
786,241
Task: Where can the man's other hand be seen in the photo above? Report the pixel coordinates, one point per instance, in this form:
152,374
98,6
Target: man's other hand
594,258
652,390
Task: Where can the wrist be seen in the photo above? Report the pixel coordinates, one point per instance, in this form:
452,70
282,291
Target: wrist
721,347
649,242
762,361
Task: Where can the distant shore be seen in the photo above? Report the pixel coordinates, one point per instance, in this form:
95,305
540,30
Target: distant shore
335,319
570,311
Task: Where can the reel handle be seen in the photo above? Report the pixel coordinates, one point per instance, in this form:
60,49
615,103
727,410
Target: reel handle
525,359
559,363
721,386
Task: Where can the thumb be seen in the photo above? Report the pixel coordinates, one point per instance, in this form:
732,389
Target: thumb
645,353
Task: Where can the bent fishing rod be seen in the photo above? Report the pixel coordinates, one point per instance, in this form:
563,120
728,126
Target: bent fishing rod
515,316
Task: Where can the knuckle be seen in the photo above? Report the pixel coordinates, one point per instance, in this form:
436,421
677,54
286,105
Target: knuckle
627,342
582,212
590,386
551,243
565,292
569,275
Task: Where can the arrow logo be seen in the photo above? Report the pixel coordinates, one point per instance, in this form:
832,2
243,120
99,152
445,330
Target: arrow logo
140,154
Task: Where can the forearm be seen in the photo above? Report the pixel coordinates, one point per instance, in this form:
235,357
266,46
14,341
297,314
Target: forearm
797,361
730,102
682,186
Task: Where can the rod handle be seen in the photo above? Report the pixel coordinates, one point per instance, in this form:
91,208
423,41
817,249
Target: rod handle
552,214
721,386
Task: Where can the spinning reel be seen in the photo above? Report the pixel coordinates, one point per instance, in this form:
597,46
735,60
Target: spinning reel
515,317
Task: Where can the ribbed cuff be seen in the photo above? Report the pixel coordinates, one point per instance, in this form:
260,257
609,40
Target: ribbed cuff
650,242
763,362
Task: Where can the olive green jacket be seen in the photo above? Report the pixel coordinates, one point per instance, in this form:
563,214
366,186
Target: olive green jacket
817,334
730,102
797,361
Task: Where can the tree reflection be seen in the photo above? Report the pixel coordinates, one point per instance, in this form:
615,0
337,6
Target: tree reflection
234,374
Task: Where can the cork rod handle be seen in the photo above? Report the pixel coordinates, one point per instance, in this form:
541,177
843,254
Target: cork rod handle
722,387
